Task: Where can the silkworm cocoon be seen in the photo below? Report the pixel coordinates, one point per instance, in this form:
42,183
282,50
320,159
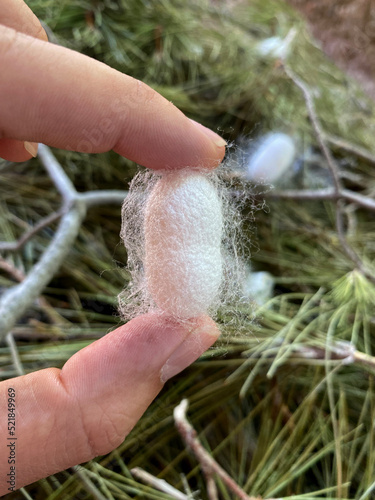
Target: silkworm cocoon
182,233
272,159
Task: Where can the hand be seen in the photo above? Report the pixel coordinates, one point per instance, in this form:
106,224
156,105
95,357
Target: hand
54,95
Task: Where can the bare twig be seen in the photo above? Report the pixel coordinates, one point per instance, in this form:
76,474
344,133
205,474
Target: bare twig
350,148
338,187
338,350
66,187
364,201
13,271
16,300
323,194
159,484
13,246
92,198
342,351
9,339
189,435
19,276
62,182
317,127
364,359
304,194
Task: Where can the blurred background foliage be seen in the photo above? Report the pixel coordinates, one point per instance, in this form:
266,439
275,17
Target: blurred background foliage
272,400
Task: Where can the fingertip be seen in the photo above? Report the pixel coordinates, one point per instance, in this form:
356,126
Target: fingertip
42,35
210,145
79,114
213,136
31,148
17,14
17,151
203,335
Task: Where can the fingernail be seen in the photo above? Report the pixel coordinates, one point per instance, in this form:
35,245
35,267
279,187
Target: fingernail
216,139
197,342
31,148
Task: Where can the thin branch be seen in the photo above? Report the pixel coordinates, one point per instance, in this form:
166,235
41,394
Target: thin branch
13,271
189,435
323,194
364,359
364,201
159,484
62,182
66,187
16,300
338,187
92,198
9,339
19,298
350,148
317,127
339,350
43,303
13,246
303,194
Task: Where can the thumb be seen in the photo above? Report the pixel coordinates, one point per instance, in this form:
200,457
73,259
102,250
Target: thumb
70,416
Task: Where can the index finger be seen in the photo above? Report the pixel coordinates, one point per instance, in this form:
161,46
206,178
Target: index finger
17,15
57,96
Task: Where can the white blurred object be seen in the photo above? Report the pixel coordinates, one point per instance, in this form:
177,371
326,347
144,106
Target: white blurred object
272,158
258,286
275,46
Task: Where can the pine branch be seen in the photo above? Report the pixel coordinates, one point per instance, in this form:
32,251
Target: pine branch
16,300
208,463
334,170
324,194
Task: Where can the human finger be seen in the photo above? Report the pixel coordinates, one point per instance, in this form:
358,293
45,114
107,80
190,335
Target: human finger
69,416
17,15
54,95
13,150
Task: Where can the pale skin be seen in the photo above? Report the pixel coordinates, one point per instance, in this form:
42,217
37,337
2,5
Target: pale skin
66,100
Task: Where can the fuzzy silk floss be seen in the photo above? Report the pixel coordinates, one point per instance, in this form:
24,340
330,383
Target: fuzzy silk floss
182,232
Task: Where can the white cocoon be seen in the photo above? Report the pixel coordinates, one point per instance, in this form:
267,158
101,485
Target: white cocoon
272,158
183,231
